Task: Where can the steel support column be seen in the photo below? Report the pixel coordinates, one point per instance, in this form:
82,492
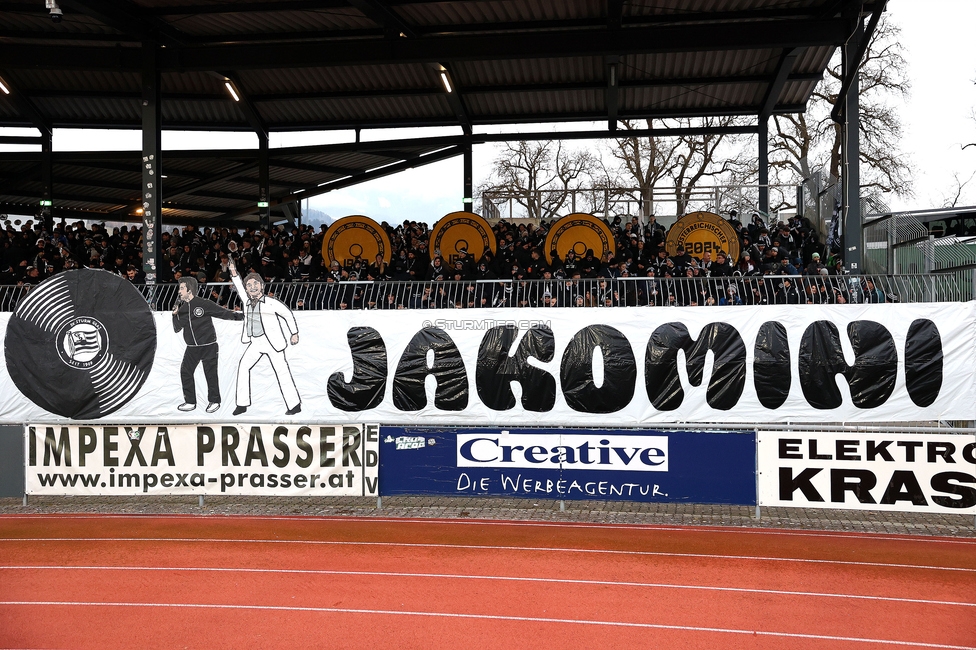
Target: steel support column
264,182
851,172
763,164
468,200
47,183
152,206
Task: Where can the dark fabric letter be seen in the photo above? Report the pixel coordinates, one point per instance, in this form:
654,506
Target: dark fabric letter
448,370
923,362
496,369
369,369
619,371
771,368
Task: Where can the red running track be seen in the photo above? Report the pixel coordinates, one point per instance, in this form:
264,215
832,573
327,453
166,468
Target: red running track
233,582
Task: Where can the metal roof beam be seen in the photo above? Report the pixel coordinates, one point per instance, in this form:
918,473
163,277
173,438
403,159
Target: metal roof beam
780,77
171,191
436,156
127,18
310,167
612,92
449,81
434,49
855,65
245,7
381,14
384,93
243,102
25,106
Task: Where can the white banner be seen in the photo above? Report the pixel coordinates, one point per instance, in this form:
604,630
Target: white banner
231,459
617,367
868,471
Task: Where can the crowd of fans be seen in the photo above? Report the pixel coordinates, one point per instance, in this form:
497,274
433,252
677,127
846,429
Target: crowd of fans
293,255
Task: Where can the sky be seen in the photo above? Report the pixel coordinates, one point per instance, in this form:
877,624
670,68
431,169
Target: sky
938,120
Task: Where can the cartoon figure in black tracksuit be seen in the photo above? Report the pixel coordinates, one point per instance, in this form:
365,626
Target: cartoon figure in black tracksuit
194,316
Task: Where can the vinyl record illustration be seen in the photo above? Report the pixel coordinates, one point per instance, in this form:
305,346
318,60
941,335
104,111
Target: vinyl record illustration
81,344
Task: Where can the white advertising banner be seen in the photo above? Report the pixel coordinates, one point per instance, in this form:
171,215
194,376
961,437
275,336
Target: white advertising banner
229,459
77,351
868,471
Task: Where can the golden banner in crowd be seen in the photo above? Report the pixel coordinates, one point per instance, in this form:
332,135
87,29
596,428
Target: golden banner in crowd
579,232
701,232
459,231
355,236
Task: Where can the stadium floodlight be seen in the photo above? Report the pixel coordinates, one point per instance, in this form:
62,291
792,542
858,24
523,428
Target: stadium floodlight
445,81
230,88
54,9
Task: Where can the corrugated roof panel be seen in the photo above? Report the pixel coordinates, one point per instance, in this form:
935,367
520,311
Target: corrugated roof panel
526,71
94,109
277,22
360,77
498,11
669,7
87,80
691,64
192,82
347,110
796,92
31,16
815,59
217,113
499,105
735,96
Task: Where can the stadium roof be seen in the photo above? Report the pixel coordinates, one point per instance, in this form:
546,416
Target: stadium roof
340,64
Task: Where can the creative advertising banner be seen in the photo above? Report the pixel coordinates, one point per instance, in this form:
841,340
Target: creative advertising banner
571,464
231,459
915,472
84,346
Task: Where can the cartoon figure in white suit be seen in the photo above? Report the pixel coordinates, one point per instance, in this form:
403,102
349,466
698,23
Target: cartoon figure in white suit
264,317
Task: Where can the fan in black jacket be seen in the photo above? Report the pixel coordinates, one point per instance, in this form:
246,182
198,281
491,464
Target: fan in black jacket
194,317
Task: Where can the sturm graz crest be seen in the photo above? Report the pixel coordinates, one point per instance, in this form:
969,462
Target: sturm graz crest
81,344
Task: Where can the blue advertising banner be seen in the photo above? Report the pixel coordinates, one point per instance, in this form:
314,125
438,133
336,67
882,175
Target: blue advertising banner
599,464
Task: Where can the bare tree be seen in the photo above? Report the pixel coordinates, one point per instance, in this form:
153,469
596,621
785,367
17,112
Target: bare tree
678,163
951,199
644,162
698,159
539,176
800,141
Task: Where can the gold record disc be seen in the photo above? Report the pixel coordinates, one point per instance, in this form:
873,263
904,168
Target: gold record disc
355,236
462,230
699,232
579,232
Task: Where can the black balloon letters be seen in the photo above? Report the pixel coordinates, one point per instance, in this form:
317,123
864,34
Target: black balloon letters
820,358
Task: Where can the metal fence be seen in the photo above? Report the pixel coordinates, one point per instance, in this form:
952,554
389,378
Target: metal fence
628,201
599,292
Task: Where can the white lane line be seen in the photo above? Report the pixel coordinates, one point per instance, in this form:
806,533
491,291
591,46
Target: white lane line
454,576
484,547
493,617
540,524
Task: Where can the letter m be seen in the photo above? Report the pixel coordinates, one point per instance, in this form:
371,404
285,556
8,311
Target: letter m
57,449
788,485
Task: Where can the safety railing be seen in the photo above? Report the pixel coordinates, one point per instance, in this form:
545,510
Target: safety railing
595,292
